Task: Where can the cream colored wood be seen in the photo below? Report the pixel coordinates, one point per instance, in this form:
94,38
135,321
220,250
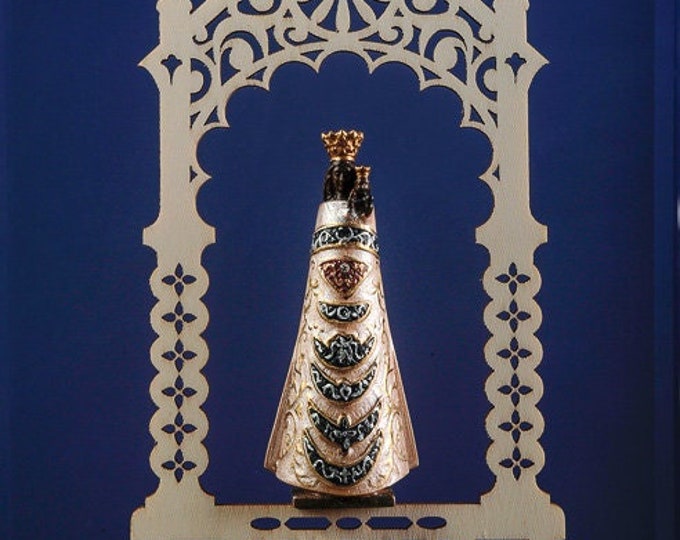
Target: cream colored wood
535,520
492,44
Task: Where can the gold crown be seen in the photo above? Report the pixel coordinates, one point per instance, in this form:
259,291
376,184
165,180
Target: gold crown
342,144
362,173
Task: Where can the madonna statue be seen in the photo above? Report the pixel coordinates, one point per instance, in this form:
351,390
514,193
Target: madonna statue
343,431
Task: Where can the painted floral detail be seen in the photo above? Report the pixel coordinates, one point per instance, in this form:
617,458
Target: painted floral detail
513,316
179,392
344,275
179,318
179,279
179,465
515,390
179,428
513,278
516,463
516,426
514,353
179,355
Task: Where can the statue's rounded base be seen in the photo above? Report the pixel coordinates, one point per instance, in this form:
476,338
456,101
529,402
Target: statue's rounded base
312,500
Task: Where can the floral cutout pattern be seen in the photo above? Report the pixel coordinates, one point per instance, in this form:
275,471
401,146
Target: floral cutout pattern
515,389
516,463
513,278
179,465
179,279
515,426
515,62
513,316
179,428
179,355
179,392
179,317
514,353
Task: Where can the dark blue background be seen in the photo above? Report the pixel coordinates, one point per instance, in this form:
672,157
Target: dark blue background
82,148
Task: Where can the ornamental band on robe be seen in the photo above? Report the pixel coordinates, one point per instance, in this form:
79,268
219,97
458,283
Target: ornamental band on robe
343,426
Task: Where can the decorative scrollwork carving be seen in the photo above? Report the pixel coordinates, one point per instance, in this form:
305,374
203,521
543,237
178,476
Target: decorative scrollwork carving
477,49
445,43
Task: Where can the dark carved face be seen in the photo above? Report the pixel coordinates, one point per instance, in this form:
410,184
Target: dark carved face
339,181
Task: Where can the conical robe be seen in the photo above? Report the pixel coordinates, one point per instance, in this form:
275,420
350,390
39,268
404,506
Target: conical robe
343,426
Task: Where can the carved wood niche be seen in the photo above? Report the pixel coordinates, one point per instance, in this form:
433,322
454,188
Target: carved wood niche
476,48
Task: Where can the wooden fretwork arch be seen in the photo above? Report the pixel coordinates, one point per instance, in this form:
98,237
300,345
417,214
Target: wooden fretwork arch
476,48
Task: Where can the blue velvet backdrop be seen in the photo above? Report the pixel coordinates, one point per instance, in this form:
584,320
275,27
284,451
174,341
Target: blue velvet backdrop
82,150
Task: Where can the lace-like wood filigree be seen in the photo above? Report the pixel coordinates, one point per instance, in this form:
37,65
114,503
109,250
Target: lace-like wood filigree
476,48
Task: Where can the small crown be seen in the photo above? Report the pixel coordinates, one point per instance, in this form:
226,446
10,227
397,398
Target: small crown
342,144
362,173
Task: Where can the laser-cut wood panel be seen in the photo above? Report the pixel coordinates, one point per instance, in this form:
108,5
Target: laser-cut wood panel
476,48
